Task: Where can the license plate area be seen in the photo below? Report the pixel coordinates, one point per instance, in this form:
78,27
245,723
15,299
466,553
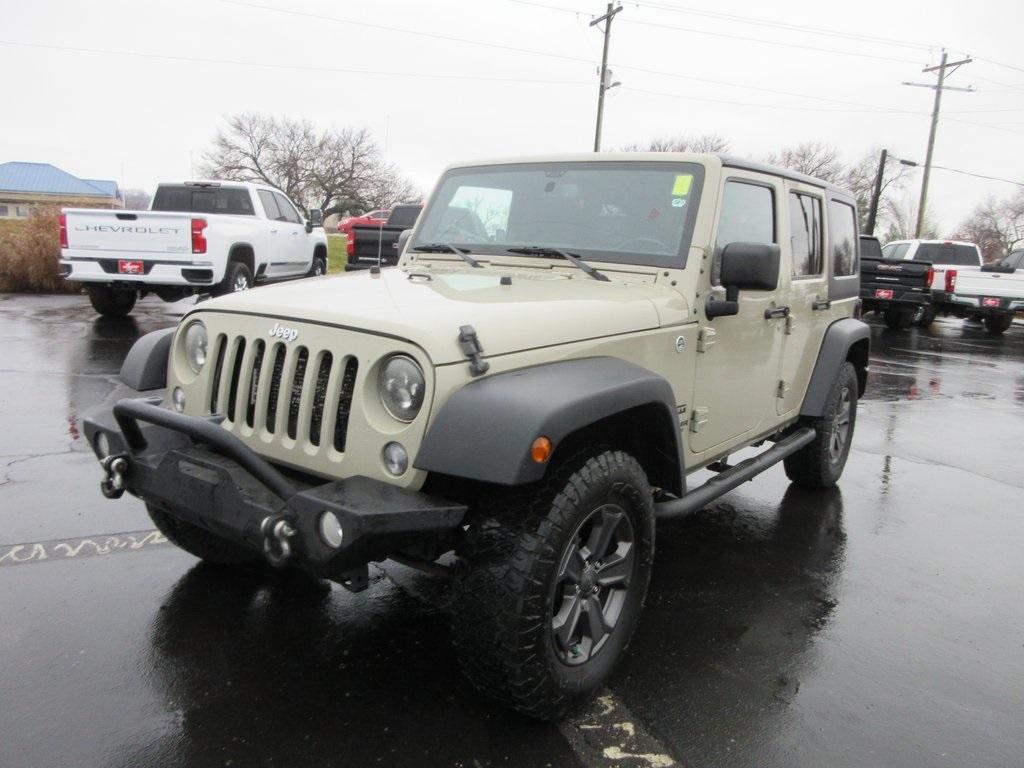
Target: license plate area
883,293
989,301
130,267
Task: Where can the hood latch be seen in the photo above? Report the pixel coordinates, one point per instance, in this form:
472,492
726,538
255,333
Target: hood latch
472,349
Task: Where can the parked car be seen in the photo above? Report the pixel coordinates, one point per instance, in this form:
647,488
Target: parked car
992,295
371,219
900,290
527,402
377,245
943,255
197,237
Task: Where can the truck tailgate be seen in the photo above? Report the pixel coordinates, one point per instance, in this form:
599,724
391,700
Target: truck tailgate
138,233
998,282
907,274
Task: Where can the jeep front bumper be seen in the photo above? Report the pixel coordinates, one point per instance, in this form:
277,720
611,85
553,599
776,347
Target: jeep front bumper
202,474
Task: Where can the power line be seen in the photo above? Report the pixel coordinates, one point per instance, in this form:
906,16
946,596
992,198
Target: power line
978,175
1001,64
783,107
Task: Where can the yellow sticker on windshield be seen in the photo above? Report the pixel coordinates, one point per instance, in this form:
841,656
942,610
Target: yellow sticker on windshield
682,186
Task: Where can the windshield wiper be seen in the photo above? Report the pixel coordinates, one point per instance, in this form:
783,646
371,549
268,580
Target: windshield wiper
537,250
462,253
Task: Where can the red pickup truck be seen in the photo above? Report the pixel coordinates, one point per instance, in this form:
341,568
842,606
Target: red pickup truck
371,219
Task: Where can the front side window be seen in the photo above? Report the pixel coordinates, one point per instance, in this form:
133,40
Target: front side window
269,205
843,221
626,212
287,210
747,216
805,234
191,199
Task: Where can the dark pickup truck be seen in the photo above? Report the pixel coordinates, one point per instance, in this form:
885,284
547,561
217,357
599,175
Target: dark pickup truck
899,290
372,246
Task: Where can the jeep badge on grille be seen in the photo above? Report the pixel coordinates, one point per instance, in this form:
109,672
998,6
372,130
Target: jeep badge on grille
280,332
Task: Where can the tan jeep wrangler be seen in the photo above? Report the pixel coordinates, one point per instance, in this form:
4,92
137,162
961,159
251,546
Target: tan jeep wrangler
564,341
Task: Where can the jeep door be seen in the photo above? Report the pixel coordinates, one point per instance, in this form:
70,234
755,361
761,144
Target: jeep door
805,282
738,356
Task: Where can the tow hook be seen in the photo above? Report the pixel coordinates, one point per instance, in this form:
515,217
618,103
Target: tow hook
115,467
276,532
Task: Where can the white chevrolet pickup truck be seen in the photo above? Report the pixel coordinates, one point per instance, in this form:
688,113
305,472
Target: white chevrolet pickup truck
197,237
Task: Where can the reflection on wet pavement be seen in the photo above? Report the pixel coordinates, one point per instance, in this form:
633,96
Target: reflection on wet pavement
877,624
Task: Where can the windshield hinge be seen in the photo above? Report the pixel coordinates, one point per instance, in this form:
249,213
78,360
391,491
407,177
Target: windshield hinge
705,339
473,350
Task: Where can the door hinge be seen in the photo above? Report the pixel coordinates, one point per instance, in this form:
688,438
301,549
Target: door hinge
782,389
790,322
681,414
699,419
706,338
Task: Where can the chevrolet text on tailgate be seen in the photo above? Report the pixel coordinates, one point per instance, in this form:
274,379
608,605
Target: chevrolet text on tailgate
198,237
515,403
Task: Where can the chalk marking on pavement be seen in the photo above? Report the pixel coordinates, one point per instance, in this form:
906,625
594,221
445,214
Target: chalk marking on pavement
607,734
89,546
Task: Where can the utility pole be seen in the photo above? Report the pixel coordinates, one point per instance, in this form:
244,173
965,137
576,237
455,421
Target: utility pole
941,86
604,84
876,193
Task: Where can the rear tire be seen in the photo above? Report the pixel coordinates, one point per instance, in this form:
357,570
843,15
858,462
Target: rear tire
997,325
109,302
820,463
898,319
926,318
552,582
196,541
238,278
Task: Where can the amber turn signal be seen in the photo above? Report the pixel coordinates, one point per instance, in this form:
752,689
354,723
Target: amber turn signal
540,451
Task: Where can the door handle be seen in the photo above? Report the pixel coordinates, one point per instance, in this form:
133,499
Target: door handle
776,313
273,231
821,305
295,234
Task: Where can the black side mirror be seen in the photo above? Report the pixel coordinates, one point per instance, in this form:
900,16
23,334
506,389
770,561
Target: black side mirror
316,219
746,267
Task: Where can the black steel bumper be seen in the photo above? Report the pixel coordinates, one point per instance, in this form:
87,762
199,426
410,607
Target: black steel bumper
201,473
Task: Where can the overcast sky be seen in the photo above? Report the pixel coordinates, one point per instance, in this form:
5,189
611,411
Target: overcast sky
147,118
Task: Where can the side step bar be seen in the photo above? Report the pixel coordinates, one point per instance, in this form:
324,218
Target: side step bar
734,476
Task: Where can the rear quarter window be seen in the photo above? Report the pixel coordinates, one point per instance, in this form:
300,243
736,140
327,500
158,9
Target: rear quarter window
843,238
948,253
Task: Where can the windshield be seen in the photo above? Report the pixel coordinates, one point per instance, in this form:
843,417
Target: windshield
184,199
625,212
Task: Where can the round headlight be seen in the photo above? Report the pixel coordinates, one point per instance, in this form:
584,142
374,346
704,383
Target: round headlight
195,346
402,387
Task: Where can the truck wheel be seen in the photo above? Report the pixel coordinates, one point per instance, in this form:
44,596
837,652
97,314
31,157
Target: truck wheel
111,303
898,319
238,278
319,267
203,544
552,581
997,325
926,318
820,463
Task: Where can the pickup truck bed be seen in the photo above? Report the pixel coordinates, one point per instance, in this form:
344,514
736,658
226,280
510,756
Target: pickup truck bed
992,294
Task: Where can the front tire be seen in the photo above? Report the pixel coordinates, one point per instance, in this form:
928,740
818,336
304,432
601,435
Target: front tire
552,582
997,325
318,268
820,463
109,302
201,543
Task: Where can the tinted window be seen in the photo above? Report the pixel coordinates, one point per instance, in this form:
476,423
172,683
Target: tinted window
404,216
843,228
869,248
187,199
269,205
805,234
287,209
947,253
615,211
895,250
748,216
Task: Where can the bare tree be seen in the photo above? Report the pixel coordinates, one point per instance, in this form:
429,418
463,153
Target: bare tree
706,143
334,170
997,226
811,158
900,218
136,199
859,179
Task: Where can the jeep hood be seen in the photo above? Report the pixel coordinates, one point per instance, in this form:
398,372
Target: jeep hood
539,308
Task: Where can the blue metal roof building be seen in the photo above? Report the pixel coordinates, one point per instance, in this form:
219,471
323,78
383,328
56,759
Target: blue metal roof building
25,184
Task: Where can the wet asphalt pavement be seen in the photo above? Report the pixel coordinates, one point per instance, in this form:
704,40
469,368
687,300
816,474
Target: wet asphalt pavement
880,624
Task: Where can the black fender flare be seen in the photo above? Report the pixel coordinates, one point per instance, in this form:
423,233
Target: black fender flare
145,367
484,431
840,338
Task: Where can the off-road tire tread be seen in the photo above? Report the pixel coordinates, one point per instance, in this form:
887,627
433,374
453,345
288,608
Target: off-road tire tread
811,466
203,544
499,593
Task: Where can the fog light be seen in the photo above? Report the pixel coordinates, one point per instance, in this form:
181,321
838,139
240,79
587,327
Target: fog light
330,529
102,445
396,460
178,399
